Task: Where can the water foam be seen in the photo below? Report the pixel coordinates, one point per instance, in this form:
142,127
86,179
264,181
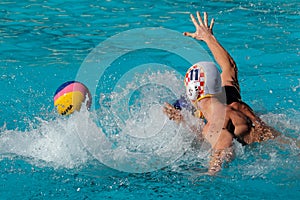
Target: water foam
142,140
52,142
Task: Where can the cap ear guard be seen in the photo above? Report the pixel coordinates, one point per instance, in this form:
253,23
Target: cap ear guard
192,91
194,82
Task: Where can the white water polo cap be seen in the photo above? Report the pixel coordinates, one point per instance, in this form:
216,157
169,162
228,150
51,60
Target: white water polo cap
202,80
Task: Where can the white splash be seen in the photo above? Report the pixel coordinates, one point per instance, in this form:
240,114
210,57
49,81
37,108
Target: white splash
144,140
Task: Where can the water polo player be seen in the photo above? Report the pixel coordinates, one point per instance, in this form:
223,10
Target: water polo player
208,91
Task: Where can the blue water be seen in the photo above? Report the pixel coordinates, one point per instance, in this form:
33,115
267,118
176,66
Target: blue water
46,156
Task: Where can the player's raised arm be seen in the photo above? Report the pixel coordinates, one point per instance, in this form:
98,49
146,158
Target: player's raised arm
204,33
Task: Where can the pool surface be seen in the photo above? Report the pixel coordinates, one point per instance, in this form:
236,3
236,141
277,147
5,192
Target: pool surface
132,56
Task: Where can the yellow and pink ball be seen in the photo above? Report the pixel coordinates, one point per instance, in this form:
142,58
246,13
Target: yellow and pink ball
70,96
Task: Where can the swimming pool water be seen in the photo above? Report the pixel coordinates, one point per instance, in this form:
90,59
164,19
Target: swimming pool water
44,43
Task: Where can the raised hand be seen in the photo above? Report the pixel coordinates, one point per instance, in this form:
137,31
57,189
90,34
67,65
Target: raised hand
203,29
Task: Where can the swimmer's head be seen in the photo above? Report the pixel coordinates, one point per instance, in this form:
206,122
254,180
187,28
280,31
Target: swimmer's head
202,80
